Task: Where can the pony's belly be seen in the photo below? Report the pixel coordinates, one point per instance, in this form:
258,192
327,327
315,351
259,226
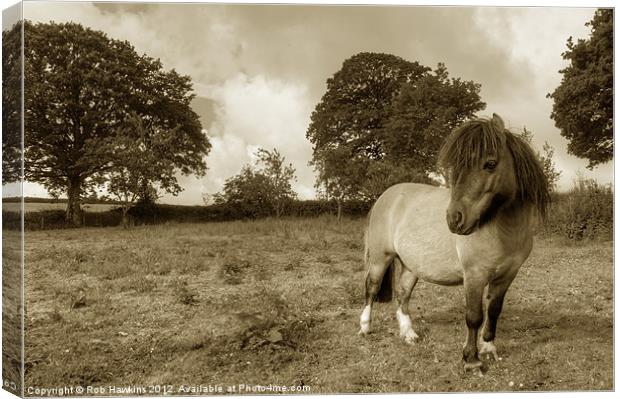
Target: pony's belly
433,260
423,241
438,270
446,274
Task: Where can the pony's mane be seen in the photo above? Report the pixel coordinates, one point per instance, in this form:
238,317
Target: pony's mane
477,138
469,143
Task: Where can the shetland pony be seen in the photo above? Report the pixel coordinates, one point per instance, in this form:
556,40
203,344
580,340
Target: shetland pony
477,233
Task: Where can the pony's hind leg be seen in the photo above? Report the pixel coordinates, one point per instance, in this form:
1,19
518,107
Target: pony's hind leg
407,282
495,295
376,270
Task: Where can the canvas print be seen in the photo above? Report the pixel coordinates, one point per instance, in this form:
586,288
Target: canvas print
205,199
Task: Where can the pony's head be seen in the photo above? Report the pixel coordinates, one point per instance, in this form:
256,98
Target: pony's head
489,168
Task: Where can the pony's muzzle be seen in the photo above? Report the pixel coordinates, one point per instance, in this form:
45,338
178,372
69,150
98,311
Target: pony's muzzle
457,221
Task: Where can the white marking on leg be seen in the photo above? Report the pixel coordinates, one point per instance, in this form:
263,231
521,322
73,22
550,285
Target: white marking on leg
365,321
404,323
487,348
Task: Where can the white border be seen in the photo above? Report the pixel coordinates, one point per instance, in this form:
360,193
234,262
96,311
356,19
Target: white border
509,3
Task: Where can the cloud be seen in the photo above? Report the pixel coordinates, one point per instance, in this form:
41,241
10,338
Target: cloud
259,70
305,43
537,38
251,113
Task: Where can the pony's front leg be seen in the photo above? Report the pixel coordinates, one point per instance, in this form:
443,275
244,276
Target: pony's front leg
496,293
474,283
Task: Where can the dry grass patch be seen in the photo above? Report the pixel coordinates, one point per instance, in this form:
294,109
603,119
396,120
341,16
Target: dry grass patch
278,301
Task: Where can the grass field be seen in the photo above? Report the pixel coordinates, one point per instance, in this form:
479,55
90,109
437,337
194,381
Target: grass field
11,315
277,302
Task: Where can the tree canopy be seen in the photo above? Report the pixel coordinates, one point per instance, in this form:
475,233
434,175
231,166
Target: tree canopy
248,192
83,94
139,166
382,121
583,102
262,189
424,113
11,104
279,175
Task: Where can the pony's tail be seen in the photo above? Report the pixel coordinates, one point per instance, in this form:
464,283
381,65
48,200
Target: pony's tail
386,290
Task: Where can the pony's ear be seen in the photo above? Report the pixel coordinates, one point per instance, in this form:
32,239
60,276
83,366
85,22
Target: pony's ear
498,121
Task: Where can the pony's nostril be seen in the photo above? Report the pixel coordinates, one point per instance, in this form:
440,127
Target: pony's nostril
458,218
455,219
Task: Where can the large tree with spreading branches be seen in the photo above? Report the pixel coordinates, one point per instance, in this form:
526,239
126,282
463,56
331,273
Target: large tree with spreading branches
83,94
382,121
12,63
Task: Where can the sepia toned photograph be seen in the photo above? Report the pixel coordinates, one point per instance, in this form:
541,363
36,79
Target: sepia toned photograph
206,199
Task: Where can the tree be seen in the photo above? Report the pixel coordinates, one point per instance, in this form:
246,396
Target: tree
280,176
139,166
346,125
423,114
248,193
261,189
337,179
83,89
546,160
583,102
382,120
11,104
549,168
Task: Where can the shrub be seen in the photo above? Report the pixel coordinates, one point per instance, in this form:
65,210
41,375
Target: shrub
55,219
585,212
149,213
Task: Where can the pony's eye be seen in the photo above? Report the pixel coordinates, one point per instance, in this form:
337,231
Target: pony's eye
490,165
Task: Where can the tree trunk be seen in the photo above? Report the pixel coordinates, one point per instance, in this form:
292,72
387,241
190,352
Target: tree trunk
339,201
74,212
125,217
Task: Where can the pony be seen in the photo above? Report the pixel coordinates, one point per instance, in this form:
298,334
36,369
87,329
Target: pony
477,231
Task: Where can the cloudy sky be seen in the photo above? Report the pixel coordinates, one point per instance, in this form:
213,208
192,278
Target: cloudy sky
259,71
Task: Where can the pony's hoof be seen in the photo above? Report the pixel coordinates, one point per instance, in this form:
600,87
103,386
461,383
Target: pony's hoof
363,332
410,336
474,367
488,350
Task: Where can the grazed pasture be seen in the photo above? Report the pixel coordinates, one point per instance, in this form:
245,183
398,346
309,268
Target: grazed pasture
277,302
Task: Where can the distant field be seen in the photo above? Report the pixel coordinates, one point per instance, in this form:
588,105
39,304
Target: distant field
47,206
277,302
